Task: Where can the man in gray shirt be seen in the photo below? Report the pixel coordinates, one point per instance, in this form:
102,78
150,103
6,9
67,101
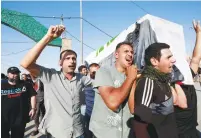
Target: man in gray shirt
111,117
62,89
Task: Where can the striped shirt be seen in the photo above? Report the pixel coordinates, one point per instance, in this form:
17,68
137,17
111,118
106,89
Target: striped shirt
154,106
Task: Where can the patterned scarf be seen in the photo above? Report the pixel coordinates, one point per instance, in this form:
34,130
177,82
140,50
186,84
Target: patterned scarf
154,74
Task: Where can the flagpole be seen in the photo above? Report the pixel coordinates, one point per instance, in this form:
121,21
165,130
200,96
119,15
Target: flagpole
81,31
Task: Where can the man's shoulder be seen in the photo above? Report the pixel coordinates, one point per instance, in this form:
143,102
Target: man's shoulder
144,80
4,81
53,70
106,69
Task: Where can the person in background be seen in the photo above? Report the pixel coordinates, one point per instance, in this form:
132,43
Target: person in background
83,70
89,99
27,78
15,100
187,118
3,76
40,107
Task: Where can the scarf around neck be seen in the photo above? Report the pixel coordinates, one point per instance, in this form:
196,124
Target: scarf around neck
154,74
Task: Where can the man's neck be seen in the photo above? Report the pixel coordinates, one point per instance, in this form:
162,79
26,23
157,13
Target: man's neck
120,68
69,76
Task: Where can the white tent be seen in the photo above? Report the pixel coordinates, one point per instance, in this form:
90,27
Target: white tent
165,31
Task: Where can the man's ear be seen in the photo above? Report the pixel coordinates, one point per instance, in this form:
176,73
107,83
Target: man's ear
116,55
154,61
60,63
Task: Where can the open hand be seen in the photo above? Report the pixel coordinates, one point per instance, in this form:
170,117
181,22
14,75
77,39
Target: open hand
32,113
196,26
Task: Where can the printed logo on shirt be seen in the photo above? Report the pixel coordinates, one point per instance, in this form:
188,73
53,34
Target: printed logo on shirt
24,89
166,97
115,121
12,93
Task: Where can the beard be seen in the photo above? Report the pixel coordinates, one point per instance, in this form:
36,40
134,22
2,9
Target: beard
14,80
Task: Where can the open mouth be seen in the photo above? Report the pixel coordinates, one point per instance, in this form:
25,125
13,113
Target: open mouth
129,60
71,67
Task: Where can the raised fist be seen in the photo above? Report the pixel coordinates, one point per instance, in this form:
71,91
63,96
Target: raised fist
55,31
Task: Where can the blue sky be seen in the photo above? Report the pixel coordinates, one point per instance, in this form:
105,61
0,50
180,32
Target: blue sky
112,17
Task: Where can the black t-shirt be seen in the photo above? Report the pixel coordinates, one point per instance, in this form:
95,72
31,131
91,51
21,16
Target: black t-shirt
187,118
154,106
15,101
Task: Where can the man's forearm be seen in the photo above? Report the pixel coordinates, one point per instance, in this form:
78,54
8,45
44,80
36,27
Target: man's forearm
197,49
196,57
34,53
118,95
33,102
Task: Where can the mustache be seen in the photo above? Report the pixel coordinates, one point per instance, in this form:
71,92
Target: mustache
14,80
72,65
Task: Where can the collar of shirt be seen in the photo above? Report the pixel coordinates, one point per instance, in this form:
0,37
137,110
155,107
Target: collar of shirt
64,77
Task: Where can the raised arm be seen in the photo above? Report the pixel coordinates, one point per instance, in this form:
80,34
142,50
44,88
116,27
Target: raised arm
196,57
28,62
114,97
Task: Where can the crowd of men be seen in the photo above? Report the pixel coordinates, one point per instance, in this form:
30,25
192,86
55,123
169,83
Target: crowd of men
101,101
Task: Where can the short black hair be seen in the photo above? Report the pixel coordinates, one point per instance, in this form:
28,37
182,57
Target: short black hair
123,43
94,65
154,50
81,67
68,51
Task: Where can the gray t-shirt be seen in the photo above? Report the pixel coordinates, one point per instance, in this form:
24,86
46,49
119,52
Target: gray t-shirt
62,118
104,122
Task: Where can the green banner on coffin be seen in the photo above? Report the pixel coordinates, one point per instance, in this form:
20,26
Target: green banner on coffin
26,25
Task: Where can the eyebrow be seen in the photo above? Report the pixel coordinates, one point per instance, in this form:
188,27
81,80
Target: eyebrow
170,56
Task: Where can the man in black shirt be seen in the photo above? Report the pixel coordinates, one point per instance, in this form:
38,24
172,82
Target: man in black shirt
154,110
27,78
15,98
187,118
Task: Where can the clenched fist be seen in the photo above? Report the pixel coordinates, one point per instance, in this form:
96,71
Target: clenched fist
55,31
131,72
